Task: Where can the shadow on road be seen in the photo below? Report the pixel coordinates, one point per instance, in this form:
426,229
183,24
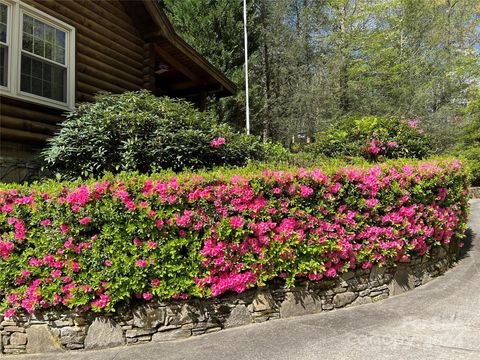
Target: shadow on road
468,243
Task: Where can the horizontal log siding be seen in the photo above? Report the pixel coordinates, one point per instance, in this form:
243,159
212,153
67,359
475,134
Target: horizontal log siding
26,123
109,57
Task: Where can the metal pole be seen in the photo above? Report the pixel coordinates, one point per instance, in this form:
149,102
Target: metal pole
246,65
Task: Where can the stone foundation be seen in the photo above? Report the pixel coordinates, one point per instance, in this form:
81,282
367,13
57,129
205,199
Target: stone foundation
145,322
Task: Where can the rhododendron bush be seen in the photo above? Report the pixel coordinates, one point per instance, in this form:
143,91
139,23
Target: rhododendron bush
373,138
100,244
137,131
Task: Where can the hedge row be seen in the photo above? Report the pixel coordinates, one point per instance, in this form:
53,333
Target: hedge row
100,244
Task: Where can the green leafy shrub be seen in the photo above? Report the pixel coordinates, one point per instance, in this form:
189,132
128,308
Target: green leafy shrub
137,131
468,142
373,138
96,245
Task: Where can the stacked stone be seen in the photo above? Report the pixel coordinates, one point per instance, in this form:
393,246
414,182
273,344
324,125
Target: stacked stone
51,331
14,339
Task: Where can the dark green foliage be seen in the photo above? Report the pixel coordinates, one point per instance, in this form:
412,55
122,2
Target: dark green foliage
137,131
373,138
468,140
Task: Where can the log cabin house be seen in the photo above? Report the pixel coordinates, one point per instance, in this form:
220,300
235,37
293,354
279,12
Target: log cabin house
57,53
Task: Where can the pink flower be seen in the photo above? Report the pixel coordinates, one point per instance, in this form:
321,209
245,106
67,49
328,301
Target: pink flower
392,144
331,272
85,220
373,149
336,188
155,283
45,222
147,296
366,265
141,263
64,228
371,203
236,222
108,263
13,298
218,142
75,266
152,244
35,262
305,191
69,243
102,302
25,273
9,313
412,123
56,273
137,242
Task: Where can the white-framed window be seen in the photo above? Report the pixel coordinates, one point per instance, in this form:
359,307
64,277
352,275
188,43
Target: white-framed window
4,44
37,56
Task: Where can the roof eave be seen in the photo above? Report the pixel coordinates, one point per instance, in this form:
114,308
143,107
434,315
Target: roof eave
161,20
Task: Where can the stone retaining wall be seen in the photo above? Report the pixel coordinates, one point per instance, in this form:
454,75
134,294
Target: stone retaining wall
57,332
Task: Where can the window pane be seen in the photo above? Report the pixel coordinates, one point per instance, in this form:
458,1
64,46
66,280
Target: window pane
60,38
27,43
43,78
26,65
48,50
59,83
26,83
28,25
3,33
49,34
37,69
37,86
38,28
59,55
47,89
3,13
3,65
38,47
3,22
43,40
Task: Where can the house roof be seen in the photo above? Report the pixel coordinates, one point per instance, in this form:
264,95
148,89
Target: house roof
178,59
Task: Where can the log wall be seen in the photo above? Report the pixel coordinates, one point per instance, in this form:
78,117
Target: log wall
110,56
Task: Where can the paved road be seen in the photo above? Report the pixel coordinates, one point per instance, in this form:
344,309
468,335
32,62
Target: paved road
440,320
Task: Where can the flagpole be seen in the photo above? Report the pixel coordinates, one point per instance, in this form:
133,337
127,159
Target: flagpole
246,65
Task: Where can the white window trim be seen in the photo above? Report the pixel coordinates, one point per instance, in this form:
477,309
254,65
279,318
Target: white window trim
9,47
16,9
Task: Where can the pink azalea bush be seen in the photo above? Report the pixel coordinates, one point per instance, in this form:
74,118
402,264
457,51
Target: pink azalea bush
96,245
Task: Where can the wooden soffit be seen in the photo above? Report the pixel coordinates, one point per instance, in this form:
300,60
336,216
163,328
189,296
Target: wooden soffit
156,29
